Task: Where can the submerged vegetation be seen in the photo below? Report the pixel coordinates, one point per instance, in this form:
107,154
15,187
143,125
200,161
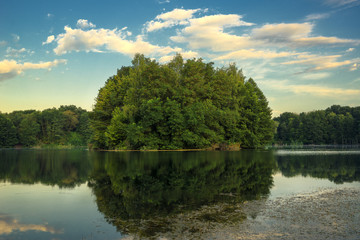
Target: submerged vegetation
183,104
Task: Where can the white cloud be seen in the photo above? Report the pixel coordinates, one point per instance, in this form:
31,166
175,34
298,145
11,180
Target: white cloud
170,19
218,37
316,76
253,53
49,40
114,40
3,43
49,15
350,50
339,3
316,62
354,67
312,89
12,51
294,35
11,68
16,37
316,16
15,53
83,24
208,32
185,55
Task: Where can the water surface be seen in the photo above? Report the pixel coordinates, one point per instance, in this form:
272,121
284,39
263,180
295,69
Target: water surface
69,194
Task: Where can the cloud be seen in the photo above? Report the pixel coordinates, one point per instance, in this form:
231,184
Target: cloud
350,50
113,40
354,67
170,19
15,53
11,68
49,40
316,76
294,35
339,3
219,37
253,53
9,225
16,37
317,16
312,89
316,62
3,43
82,23
208,32
185,55
49,15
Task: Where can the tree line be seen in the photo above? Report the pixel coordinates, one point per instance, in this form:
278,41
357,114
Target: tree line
67,125
334,125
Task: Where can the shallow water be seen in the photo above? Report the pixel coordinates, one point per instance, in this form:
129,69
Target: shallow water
177,195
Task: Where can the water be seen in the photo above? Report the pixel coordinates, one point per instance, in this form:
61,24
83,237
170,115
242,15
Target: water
170,195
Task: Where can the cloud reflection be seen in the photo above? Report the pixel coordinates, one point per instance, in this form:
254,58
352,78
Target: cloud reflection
9,224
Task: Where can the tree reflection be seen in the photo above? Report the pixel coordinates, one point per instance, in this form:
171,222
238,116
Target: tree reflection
338,168
144,192
61,168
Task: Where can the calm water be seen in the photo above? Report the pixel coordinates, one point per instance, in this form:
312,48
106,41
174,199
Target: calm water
114,195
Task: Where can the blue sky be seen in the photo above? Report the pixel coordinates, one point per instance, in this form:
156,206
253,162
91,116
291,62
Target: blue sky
304,54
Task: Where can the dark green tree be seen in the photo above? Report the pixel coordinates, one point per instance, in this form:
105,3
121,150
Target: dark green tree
179,105
335,125
7,132
28,130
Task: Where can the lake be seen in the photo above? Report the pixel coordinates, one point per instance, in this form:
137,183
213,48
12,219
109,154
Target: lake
249,194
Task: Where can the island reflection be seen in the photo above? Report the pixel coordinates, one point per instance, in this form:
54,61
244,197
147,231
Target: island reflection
150,193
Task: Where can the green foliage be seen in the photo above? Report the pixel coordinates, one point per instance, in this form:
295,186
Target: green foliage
61,168
335,125
68,125
138,191
338,168
28,130
7,132
179,105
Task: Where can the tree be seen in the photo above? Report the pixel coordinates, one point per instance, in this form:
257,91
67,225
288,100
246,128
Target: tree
335,125
179,105
7,132
28,130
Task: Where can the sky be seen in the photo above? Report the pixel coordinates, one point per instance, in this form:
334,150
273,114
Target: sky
303,54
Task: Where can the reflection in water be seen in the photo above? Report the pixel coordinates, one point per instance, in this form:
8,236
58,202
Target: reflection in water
147,193
9,224
61,168
337,166
169,194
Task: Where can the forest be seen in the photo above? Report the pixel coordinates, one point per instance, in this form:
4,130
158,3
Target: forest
336,125
180,105
65,126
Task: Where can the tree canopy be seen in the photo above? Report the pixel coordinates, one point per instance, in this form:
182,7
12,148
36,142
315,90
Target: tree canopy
67,125
182,104
335,125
